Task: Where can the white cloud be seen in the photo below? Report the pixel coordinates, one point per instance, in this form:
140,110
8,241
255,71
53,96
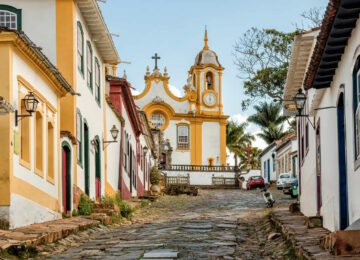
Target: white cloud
251,129
135,92
177,92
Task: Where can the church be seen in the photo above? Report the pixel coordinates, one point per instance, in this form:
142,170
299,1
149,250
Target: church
193,126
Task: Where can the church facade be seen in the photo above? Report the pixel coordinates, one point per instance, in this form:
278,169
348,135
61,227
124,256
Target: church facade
193,126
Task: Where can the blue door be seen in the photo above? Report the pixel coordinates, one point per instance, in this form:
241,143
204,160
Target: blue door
268,169
344,210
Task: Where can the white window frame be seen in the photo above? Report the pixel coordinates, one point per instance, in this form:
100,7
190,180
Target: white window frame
183,141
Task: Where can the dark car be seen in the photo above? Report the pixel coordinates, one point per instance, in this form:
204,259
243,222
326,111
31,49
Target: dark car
290,188
255,182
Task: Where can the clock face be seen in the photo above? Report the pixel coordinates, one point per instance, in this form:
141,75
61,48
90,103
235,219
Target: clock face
210,99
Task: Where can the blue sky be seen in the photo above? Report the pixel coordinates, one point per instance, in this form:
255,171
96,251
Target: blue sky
175,30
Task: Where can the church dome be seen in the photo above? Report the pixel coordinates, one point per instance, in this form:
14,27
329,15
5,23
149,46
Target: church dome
206,56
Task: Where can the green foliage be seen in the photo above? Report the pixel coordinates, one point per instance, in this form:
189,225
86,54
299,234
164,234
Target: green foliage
75,213
155,176
254,158
144,203
272,133
262,59
116,199
125,209
237,139
85,205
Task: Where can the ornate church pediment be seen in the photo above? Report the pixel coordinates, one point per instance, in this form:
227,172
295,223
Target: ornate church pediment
157,99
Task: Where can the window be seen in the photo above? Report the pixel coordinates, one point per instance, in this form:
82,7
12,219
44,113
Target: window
211,162
79,137
274,165
39,142
356,102
10,17
24,135
209,81
157,120
194,81
307,136
183,137
97,81
264,169
50,150
80,47
89,72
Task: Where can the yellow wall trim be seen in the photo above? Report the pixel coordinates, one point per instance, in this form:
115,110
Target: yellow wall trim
30,192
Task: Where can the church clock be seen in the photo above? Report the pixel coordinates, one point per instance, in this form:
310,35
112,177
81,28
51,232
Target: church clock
209,99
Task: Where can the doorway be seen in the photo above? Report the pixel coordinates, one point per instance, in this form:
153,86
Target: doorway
318,169
86,159
97,169
344,210
66,177
268,170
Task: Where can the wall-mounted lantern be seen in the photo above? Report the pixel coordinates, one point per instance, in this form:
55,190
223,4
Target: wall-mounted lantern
145,150
114,133
30,103
300,100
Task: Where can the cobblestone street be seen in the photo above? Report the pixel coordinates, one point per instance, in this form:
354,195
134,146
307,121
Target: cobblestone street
217,224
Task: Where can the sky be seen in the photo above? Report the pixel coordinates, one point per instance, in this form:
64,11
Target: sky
175,30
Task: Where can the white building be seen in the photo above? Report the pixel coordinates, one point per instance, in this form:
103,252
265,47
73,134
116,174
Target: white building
329,139
286,155
268,163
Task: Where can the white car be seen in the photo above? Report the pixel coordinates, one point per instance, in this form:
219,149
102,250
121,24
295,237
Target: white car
283,178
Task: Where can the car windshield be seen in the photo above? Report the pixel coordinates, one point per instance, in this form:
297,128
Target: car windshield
284,176
256,177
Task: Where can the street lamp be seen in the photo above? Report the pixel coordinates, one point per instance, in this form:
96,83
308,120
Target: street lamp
145,150
300,100
30,103
114,133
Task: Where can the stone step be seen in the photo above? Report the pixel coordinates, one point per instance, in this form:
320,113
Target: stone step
161,254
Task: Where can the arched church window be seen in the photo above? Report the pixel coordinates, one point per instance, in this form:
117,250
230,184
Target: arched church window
10,17
209,81
194,80
183,139
157,120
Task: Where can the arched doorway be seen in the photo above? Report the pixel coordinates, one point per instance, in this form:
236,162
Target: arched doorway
97,168
343,207
86,158
66,176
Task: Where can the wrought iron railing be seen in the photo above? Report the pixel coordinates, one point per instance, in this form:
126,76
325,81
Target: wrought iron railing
199,168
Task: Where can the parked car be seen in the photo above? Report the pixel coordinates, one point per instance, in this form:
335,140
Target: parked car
290,188
283,178
255,182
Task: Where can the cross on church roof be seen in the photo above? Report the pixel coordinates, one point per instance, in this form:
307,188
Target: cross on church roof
156,57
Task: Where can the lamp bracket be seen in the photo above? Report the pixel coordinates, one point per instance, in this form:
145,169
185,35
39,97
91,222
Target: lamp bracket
311,123
106,143
20,117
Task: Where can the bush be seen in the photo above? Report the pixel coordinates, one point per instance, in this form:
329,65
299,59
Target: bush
85,205
125,209
75,213
155,176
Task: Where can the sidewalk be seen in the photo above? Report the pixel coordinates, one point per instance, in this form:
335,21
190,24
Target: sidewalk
48,232
305,241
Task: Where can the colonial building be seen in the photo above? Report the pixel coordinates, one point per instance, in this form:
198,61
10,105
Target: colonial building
328,131
193,126
268,163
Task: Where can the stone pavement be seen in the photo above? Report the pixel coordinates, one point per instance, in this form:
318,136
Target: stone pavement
180,227
305,241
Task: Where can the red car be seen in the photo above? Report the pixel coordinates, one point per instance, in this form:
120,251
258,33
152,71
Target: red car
255,182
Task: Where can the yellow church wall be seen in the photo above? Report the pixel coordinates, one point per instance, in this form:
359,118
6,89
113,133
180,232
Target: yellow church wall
223,143
6,122
66,60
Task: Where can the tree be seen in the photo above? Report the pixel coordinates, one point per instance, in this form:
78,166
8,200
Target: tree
272,132
237,138
254,158
262,58
267,113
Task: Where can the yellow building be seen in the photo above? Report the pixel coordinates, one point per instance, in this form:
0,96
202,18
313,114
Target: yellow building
194,126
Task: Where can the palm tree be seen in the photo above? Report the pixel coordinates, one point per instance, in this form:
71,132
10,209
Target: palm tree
267,113
254,158
236,138
272,132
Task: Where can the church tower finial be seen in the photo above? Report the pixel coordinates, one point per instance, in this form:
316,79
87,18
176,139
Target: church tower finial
206,47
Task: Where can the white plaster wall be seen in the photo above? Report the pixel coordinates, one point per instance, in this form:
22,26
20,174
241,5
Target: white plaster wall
157,89
25,212
128,129
211,142
112,149
264,158
178,156
200,178
91,112
22,69
39,23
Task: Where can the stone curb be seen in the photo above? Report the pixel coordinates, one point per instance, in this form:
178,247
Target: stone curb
47,232
306,242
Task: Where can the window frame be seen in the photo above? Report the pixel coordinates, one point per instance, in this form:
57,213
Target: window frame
97,84
80,63
50,122
16,11
39,113
182,145
89,75
79,150
356,112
